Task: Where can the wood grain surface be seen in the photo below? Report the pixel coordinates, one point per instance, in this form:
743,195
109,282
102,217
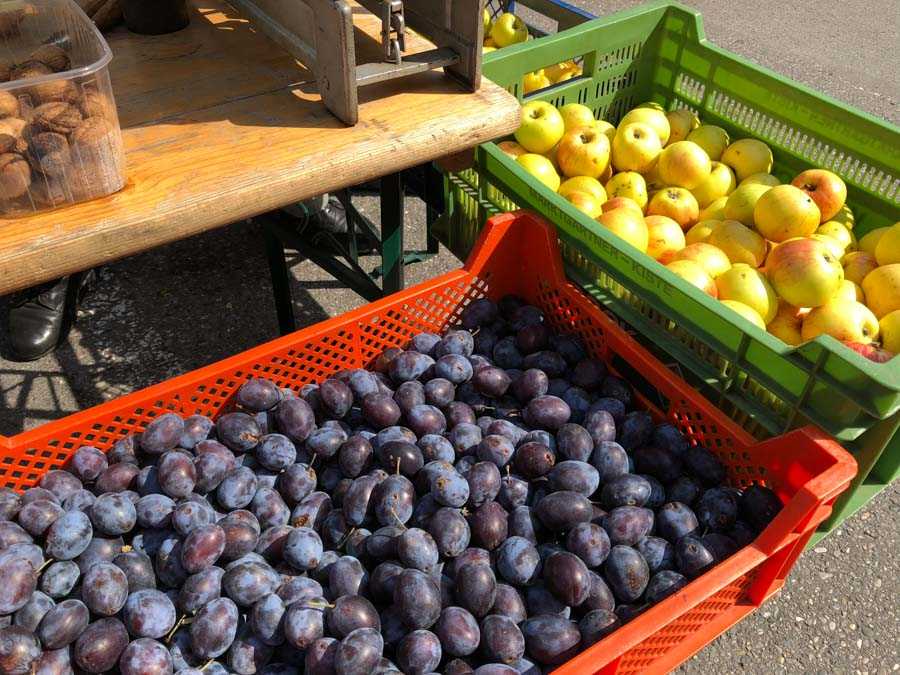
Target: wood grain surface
219,124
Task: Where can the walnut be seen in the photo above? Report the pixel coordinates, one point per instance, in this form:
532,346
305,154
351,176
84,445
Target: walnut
49,153
15,176
58,89
97,150
63,118
55,90
51,56
29,69
93,142
93,104
9,105
92,131
50,191
11,140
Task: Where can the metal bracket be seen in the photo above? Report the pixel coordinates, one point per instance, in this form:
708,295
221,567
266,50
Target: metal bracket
319,34
392,22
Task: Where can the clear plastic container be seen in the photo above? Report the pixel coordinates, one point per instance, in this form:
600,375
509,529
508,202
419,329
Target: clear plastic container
60,140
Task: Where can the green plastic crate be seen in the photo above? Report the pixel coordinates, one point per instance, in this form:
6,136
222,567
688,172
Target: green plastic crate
659,53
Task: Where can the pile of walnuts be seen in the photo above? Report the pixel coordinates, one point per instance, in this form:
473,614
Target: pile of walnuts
55,135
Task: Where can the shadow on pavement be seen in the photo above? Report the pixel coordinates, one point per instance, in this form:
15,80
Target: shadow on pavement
154,316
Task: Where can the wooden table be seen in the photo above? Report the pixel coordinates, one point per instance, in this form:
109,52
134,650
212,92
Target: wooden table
220,124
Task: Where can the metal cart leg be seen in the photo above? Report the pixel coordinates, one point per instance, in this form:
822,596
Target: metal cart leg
281,282
434,204
392,233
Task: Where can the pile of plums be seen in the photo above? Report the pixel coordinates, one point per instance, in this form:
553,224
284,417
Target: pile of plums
485,501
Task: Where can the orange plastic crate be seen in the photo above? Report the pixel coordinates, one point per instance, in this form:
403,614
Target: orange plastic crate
517,253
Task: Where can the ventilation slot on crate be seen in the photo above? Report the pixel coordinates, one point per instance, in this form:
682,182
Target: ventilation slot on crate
691,89
804,145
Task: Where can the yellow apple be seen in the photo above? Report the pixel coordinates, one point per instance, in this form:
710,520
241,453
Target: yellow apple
511,149
784,212
628,225
850,291
713,261
869,241
622,202
845,320
839,233
695,275
701,231
890,331
748,285
635,147
541,168
887,251
652,105
556,71
585,202
712,139
747,157
745,311
787,324
534,81
583,184
665,238
845,217
486,20
583,152
542,127
857,265
804,273
607,129
576,116
720,183
739,243
826,189
629,184
742,202
681,123
761,179
715,210
831,244
684,164
676,203
508,29
882,289
655,118
487,49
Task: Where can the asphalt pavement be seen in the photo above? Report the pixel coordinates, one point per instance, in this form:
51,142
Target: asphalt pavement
194,302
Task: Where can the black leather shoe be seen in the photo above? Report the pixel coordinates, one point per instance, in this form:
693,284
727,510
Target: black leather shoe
39,318
333,218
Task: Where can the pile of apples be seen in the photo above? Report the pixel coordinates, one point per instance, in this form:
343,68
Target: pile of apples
784,256
509,29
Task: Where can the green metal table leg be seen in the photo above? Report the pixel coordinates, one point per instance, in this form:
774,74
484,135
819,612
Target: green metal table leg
281,281
392,233
434,204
